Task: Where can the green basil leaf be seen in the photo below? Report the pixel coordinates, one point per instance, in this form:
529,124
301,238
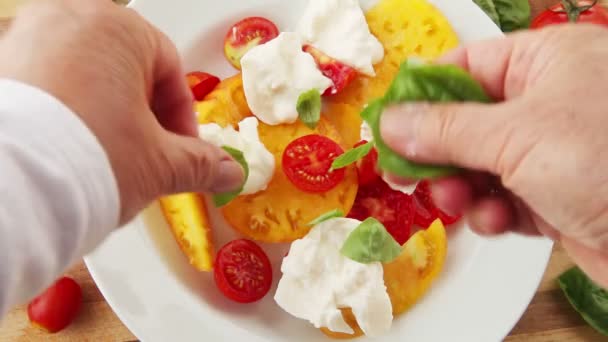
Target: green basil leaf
328,215
590,300
426,83
509,15
224,198
352,156
309,107
370,242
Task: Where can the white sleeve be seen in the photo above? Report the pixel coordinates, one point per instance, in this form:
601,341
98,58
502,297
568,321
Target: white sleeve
58,194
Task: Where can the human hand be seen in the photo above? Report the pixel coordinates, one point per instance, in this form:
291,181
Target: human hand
544,142
124,79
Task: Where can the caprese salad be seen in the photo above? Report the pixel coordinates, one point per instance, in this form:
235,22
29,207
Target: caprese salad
362,250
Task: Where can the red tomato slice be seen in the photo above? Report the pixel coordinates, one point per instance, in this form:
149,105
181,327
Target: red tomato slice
393,208
307,162
426,210
340,74
242,271
366,167
57,306
245,35
201,84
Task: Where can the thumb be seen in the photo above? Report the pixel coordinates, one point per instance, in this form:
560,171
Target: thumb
194,165
468,135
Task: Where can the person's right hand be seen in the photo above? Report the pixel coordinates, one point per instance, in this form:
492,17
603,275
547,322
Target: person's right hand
546,140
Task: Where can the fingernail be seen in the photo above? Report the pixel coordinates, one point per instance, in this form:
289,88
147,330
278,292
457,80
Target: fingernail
399,125
230,176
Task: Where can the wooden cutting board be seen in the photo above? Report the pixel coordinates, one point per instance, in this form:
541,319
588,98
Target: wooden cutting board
549,318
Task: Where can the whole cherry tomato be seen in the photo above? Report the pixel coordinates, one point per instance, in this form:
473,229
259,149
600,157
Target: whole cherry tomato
57,306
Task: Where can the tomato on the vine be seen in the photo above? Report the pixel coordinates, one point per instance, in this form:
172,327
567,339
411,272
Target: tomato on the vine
572,11
242,271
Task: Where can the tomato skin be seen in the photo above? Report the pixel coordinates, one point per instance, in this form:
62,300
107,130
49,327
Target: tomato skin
201,84
246,34
242,271
340,74
57,306
393,208
556,15
426,210
366,167
307,162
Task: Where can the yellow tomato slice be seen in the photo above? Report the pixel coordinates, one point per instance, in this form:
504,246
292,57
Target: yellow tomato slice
405,28
281,212
350,319
225,105
187,217
347,120
409,277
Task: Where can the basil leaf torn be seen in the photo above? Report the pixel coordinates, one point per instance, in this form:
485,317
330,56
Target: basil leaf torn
370,242
328,215
419,82
309,107
352,156
508,15
224,198
590,300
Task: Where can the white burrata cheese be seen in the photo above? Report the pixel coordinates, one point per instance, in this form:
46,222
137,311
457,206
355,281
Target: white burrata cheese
246,139
318,280
366,134
338,28
275,74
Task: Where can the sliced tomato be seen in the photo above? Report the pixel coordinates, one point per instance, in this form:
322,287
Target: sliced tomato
340,74
246,34
426,210
201,83
307,163
242,271
366,167
393,208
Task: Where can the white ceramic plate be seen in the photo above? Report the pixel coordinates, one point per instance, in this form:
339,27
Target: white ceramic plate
484,289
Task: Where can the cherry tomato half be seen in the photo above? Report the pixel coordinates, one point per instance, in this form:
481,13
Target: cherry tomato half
393,208
366,167
307,162
242,271
340,74
588,12
201,84
57,306
246,34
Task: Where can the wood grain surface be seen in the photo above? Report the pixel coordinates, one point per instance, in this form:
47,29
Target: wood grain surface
549,318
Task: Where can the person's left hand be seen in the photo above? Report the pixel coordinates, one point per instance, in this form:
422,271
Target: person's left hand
124,79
